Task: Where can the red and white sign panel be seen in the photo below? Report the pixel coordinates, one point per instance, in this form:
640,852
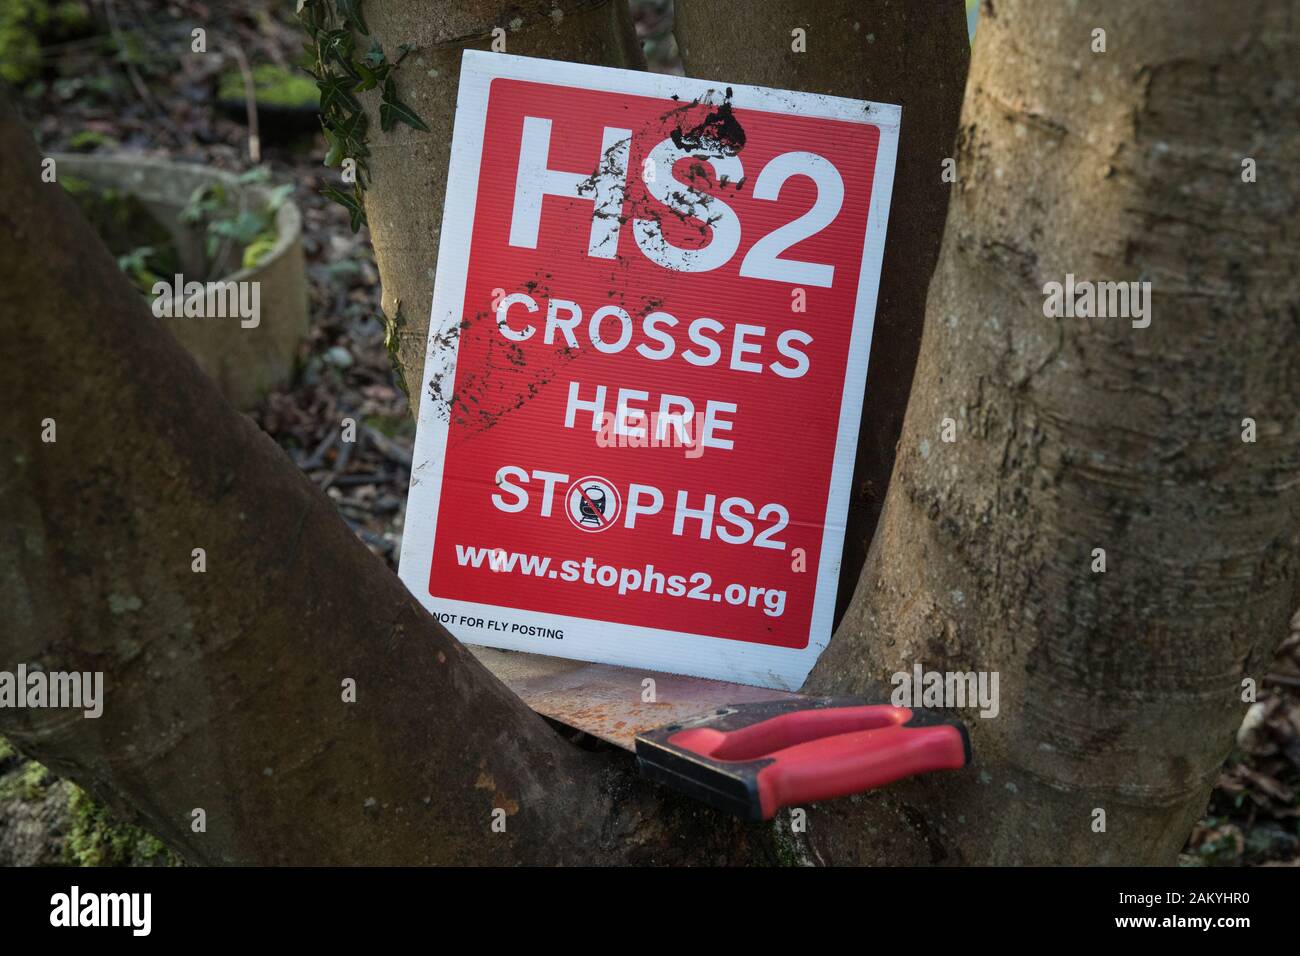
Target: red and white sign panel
647,357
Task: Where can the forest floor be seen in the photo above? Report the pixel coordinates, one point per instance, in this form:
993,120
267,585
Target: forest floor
139,89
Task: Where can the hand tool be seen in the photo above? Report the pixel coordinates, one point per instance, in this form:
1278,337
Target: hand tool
751,759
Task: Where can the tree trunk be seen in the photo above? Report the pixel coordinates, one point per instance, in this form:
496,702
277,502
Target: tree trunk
409,167
1120,690
890,51
224,689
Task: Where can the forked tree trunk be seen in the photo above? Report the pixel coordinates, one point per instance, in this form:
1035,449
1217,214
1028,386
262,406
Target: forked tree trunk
1120,690
224,689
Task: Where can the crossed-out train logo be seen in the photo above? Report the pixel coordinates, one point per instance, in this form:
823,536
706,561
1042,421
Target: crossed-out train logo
594,312
593,504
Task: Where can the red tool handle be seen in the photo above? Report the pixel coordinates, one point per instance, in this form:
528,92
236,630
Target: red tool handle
820,754
850,763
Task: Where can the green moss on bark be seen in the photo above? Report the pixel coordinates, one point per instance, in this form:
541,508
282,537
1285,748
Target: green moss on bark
80,832
95,838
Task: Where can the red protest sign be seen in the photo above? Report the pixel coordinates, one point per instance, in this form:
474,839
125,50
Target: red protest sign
647,356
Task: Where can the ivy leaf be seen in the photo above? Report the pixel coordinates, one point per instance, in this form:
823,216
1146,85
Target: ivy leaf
334,155
373,67
335,93
307,62
352,131
392,328
392,110
310,15
370,78
350,11
374,57
338,45
349,201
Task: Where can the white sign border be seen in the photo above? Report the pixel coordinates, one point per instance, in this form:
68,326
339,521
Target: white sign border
603,641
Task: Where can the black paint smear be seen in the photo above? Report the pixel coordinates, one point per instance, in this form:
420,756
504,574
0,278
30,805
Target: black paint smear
720,132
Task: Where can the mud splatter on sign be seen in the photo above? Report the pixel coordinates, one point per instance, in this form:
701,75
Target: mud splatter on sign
637,450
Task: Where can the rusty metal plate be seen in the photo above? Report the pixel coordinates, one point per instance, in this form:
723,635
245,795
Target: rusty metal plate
606,701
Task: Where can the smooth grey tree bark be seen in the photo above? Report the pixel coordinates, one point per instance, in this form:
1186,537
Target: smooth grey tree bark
1120,691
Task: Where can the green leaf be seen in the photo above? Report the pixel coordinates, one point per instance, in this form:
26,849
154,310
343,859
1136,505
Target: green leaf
391,341
276,198
243,229
336,94
311,14
258,249
204,202
369,78
349,201
374,57
352,131
333,155
258,174
337,45
392,110
307,61
373,67
350,11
